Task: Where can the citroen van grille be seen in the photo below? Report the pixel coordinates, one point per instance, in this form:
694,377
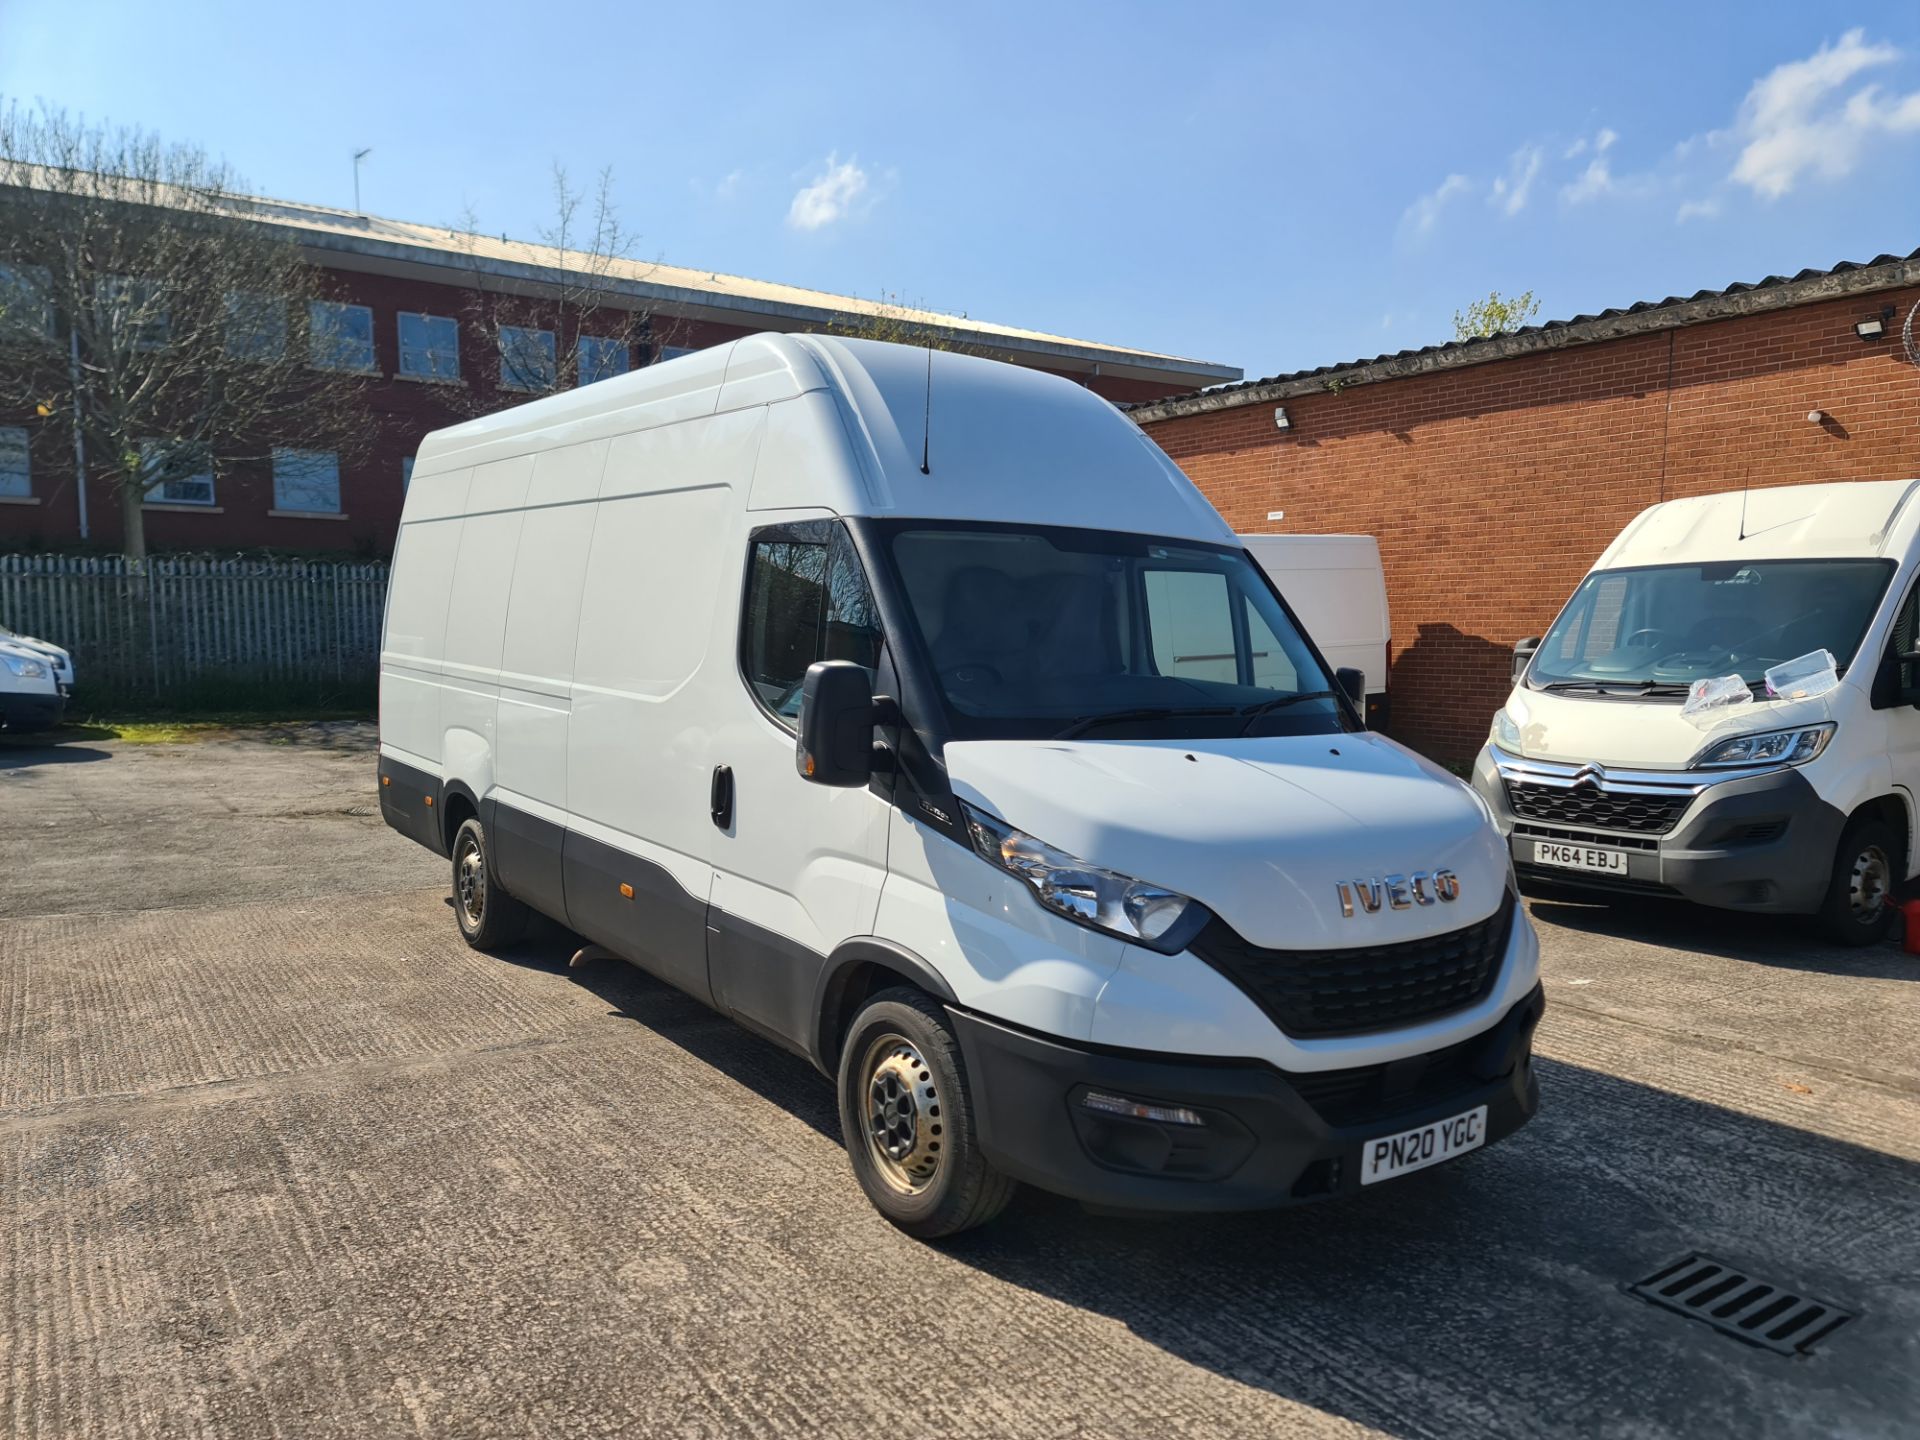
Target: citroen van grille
1363,987
1586,805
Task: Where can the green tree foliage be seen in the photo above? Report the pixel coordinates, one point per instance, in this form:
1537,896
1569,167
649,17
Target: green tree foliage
1495,315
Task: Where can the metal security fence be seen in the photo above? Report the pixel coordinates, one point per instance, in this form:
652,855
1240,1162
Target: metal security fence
193,630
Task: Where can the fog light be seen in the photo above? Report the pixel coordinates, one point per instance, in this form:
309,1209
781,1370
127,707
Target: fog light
1139,1109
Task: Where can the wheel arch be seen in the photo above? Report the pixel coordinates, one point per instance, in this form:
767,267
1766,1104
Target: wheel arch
458,804
857,969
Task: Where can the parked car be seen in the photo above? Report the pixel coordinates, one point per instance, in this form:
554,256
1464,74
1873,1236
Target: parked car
916,711
60,661
30,696
1606,769
1338,592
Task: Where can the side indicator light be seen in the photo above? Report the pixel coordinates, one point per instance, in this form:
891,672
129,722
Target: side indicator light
429,802
386,779
626,889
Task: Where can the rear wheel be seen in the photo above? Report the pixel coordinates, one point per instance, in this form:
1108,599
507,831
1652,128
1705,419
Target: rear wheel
907,1119
489,917
1869,863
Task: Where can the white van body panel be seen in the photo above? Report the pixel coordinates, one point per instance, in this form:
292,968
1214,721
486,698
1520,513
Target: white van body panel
1337,588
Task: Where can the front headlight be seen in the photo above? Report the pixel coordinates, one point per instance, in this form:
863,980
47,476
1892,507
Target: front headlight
1145,914
1769,747
25,669
1505,733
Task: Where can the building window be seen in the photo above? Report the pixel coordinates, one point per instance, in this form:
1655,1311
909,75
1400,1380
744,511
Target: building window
177,472
601,358
306,481
527,358
26,300
429,347
341,336
406,476
132,312
672,352
256,326
16,475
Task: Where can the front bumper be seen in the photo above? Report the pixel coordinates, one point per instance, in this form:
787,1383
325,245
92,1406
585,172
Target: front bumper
20,714
1269,1138
1762,842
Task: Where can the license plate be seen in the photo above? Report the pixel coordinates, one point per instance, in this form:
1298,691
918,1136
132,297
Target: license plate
1412,1150
1579,857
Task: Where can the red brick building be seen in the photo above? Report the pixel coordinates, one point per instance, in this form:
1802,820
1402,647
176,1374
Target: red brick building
405,301
1495,471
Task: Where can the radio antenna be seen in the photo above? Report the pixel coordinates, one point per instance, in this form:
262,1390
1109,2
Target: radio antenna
1746,484
926,424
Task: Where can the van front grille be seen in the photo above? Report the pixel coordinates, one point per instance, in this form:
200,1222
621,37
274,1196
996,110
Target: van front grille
1365,987
1588,805
1372,1092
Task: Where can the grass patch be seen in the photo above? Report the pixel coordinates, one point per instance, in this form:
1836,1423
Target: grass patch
188,729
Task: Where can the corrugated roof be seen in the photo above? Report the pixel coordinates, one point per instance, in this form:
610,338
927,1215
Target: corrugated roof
1512,342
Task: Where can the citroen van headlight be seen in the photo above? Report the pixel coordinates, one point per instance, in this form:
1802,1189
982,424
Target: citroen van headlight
1505,733
1145,914
1769,747
25,669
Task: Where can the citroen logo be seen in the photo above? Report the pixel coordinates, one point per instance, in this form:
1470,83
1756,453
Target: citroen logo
1590,775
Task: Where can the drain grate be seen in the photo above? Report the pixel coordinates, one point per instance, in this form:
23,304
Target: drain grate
1736,1303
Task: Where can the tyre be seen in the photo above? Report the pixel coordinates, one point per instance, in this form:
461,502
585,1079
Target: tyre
1870,861
489,917
907,1119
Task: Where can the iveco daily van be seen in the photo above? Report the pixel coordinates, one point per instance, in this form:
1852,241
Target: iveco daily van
914,710
1795,802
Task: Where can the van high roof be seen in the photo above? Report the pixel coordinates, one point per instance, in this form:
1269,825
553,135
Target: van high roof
1862,518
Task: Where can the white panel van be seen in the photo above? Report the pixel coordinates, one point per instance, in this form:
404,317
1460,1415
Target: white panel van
1606,769
915,711
1336,587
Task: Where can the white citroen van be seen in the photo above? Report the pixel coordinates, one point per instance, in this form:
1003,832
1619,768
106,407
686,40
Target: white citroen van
1800,802
916,711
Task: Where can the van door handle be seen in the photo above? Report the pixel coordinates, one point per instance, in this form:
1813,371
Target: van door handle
720,797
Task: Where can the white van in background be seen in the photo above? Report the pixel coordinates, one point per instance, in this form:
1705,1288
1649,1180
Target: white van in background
917,712
1338,593
1795,803
57,659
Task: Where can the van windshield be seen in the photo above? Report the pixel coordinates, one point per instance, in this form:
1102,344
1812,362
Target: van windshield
1048,632
1663,627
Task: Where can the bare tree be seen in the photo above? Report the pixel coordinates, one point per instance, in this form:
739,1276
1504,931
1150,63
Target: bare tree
573,326
146,304
899,324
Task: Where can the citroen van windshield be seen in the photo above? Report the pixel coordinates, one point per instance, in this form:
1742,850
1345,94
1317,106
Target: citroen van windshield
1657,629
1036,633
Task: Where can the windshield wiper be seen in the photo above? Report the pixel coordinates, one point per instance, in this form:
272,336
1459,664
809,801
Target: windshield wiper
1632,688
1121,717
1280,702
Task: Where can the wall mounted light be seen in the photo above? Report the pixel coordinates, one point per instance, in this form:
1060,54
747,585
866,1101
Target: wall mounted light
1876,328
1280,420
1816,417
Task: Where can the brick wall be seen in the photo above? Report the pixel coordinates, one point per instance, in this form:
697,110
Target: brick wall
1492,488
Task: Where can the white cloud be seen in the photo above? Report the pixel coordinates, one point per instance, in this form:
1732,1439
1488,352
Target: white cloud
1794,122
729,185
1708,209
1598,178
1424,213
830,196
1510,191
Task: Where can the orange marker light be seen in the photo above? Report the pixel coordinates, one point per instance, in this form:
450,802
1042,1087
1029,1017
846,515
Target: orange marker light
386,779
429,802
626,889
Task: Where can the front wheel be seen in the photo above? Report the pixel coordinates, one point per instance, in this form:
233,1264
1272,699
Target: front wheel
489,917
1868,864
907,1119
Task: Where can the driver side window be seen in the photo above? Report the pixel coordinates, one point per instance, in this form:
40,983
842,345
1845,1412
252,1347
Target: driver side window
807,599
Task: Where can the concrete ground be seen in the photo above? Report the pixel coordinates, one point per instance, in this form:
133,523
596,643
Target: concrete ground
280,1155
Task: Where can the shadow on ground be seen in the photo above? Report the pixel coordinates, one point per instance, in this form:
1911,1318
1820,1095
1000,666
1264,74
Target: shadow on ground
24,752
1486,1297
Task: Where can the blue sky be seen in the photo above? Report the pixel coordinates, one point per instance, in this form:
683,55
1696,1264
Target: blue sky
1262,185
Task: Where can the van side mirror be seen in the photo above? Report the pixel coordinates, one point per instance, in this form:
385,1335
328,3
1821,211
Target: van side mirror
837,716
1353,684
1523,656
